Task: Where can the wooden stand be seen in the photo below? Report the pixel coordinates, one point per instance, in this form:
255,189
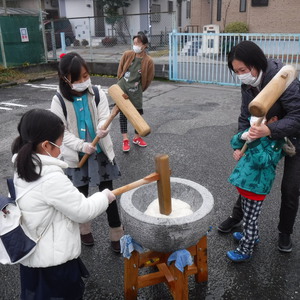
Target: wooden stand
176,280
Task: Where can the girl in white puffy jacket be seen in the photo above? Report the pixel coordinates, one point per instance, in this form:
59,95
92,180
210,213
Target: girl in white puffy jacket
51,211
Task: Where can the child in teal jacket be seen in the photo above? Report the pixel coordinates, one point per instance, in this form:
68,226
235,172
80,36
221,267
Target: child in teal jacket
253,177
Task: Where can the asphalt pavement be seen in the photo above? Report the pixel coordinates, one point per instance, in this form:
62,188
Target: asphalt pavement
193,124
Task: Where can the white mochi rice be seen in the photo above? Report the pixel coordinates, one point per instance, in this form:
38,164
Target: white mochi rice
179,209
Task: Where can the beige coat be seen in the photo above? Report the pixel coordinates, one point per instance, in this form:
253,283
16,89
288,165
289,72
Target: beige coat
147,67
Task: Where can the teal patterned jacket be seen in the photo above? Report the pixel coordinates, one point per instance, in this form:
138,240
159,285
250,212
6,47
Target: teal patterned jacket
255,171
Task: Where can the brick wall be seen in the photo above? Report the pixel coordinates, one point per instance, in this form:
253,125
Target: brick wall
280,16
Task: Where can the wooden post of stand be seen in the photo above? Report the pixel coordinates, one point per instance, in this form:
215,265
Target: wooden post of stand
131,272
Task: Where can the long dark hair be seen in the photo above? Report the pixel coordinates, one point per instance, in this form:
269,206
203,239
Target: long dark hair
35,126
70,64
142,38
250,54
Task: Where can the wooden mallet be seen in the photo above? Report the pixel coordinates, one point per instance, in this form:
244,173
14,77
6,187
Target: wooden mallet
128,109
115,110
261,104
162,176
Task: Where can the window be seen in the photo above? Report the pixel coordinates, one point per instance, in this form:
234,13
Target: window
219,10
155,8
188,9
260,2
243,5
170,6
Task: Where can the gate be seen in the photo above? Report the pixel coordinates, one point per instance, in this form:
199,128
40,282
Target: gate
202,57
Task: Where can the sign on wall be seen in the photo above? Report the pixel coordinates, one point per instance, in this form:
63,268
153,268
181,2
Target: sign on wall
24,35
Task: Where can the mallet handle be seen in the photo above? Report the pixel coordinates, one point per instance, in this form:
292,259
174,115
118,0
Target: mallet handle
148,179
113,113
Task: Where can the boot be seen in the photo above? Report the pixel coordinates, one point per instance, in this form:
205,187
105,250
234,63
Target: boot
115,233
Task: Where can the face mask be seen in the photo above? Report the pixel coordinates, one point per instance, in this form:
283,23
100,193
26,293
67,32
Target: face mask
247,78
137,49
258,80
82,86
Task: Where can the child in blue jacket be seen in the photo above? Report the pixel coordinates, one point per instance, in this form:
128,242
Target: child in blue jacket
253,177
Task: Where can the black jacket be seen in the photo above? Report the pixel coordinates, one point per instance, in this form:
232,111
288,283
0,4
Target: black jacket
289,125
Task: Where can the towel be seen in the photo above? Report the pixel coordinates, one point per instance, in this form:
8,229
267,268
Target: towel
128,245
182,258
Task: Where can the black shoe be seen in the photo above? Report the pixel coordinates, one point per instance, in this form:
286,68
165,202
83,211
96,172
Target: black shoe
87,239
285,242
115,246
229,224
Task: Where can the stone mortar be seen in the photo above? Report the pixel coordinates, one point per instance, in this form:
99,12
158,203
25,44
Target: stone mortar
167,234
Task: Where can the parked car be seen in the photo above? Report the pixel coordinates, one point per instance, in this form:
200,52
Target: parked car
60,25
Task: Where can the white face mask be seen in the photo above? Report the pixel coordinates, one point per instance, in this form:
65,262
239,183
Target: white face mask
82,86
247,78
137,49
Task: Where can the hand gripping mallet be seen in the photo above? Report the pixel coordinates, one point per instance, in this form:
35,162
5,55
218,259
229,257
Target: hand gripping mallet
162,176
261,104
115,110
128,109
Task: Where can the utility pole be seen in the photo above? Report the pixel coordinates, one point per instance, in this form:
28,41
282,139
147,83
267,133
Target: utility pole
43,29
5,8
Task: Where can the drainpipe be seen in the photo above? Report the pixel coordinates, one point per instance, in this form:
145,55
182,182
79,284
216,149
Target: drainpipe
211,2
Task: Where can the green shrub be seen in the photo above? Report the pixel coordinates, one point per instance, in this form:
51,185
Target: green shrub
236,27
84,42
76,43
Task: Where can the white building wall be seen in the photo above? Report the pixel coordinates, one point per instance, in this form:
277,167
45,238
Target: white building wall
78,11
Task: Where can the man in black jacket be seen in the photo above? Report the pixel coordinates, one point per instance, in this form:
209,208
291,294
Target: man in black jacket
255,71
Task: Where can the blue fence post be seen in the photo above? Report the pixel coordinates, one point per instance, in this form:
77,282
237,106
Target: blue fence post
63,42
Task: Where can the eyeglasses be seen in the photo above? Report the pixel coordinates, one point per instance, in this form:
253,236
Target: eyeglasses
54,145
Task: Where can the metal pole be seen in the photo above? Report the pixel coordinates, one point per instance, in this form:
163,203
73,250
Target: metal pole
5,8
2,50
43,30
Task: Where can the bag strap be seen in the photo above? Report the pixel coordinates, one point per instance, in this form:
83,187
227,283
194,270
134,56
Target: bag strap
36,183
33,185
63,104
97,96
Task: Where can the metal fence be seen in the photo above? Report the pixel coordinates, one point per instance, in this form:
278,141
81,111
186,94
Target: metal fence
201,57
106,38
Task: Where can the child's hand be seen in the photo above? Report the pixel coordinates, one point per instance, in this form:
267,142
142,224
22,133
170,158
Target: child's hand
110,196
101,133
88,148
237,154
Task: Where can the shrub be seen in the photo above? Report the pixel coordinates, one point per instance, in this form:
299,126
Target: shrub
84,42
236,27
76,43
109,41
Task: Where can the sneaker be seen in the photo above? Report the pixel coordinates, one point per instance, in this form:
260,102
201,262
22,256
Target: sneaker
285,242
87,239
237,256
239,235
229,224
126,146
140,142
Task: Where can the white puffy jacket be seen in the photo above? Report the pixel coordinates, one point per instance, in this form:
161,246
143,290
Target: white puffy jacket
72,144
58,200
